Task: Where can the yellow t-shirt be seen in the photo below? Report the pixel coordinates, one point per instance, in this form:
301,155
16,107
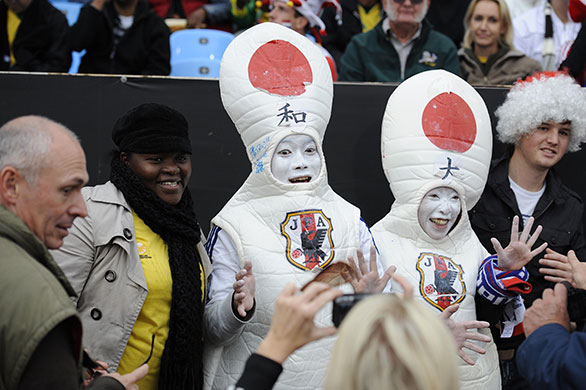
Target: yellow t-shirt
483,60
13,23
154,315
369,18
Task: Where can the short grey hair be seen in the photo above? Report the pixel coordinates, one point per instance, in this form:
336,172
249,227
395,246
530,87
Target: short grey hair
25,143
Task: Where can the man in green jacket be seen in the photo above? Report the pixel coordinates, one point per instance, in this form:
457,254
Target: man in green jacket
400,46
42,170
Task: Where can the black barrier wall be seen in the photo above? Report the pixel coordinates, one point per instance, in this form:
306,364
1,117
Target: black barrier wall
89,105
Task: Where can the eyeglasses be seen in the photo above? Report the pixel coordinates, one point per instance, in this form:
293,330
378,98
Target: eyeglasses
414,2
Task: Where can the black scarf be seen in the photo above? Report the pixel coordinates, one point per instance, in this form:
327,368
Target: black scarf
181,364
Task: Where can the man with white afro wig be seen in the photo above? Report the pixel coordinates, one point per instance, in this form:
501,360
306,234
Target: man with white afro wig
541,119
540,98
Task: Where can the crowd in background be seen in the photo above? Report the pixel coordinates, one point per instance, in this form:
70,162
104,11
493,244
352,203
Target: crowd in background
486,42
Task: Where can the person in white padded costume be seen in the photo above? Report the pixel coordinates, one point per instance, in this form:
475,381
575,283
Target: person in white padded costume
285,219
436,149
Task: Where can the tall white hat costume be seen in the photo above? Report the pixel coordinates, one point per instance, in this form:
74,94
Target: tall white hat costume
274,82
436,132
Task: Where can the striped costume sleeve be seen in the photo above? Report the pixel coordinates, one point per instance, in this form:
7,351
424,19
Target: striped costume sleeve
498,286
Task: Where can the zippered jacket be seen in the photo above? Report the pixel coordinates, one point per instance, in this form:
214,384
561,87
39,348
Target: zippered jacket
504,67
371,56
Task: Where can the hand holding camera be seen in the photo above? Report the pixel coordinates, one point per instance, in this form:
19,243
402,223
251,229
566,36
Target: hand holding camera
292,325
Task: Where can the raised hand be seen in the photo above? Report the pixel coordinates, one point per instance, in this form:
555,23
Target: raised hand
518,252
557,268
366,279
578,271
405,285
462,336
292,325
243,297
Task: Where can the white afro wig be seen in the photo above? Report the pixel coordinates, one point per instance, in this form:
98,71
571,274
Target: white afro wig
546,96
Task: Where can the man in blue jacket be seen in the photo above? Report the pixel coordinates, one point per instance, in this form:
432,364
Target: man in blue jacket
551,357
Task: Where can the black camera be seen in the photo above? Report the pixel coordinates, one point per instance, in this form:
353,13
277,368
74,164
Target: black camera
343,304
576,303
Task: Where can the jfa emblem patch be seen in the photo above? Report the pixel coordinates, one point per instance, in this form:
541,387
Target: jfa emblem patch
309,239
441,282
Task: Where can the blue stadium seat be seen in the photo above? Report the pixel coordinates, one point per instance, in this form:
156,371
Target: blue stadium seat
198,43
70,10
196,67
75,60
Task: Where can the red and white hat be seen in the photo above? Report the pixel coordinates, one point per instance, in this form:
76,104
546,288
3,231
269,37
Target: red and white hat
275,82
312,9
436,132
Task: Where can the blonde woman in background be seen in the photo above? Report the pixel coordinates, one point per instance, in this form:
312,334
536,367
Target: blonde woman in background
487,56
389,342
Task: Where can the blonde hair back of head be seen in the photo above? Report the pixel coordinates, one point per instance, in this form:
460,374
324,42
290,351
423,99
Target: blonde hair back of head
387,342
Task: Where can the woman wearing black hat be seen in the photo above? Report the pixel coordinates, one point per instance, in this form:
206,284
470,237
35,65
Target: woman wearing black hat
137,262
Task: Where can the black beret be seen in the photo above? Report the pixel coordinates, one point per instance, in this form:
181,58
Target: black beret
152,128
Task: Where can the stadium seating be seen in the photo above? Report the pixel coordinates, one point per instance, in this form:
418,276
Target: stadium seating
196,67
198,52
71,11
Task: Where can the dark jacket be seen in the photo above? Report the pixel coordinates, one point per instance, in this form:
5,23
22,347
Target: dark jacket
444,16
502,68
217,11
40,330
371,56
575,62
260,373
144,49
552,359
559,211
338,36
40,44
33,300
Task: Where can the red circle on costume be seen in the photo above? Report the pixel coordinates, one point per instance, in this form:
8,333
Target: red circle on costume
448,122
280,68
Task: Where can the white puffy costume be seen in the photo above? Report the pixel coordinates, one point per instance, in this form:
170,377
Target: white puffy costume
274,83
436,132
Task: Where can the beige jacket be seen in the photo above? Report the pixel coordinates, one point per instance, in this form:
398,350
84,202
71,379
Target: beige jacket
100,258
508,67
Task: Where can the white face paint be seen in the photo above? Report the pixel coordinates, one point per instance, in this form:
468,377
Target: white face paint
296,160
438,211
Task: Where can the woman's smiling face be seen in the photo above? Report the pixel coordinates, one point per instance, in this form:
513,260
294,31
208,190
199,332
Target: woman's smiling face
438,212
167,174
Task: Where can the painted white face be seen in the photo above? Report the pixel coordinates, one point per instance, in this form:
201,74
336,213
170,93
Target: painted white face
438,211
296,160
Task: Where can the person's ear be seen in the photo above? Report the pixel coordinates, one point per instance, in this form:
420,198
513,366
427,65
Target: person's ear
300,23
124,158
10,184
